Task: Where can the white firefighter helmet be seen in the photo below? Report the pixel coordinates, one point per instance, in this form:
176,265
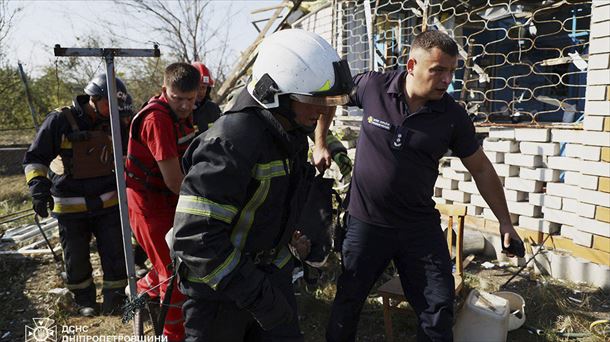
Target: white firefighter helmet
300,64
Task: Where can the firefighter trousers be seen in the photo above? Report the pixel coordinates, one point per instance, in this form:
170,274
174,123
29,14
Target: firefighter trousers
210,316
419,252
149,230
75,235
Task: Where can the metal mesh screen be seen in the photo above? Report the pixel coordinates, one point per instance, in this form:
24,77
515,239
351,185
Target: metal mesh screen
521,61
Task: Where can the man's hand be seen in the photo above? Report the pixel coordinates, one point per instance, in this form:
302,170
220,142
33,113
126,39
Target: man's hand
321,158
301,244
41,204
512,244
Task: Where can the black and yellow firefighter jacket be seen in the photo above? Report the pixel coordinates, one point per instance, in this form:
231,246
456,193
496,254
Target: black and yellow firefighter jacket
74,192
246,179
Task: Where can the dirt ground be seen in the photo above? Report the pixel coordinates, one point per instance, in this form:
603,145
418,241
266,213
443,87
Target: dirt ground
27,284
552,306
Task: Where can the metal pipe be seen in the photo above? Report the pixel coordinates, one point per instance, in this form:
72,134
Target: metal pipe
28,96
117,150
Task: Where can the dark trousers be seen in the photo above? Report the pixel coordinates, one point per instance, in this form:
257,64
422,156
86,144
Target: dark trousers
209,316
420,254
75,236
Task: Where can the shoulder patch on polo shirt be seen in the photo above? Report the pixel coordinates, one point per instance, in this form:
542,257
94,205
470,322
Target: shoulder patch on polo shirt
379,123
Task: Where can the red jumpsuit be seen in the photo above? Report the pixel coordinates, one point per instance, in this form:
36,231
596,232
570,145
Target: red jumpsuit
156,135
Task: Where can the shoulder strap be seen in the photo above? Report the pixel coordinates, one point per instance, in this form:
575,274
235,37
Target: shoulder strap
146,108
67,112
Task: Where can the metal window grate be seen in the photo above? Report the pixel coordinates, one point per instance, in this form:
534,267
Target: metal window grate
521,61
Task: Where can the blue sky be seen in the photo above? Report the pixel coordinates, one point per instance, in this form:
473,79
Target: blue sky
42,24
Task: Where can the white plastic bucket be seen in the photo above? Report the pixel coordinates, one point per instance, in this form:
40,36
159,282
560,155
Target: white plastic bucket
516,307
484,317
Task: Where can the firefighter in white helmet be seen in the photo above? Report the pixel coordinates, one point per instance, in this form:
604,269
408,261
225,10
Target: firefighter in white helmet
246,180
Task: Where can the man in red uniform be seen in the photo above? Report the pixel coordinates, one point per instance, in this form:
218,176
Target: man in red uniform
159,135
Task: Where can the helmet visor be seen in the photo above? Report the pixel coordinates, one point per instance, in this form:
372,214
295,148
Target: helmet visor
328,101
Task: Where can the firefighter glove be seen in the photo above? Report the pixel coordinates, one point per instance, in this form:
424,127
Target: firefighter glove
270,309
40,188
344,162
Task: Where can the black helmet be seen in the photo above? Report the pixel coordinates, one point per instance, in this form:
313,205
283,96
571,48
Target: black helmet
98,86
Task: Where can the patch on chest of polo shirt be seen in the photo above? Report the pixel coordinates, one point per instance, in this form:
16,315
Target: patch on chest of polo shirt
379,123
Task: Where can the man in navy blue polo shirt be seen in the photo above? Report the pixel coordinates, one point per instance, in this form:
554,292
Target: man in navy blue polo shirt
409,123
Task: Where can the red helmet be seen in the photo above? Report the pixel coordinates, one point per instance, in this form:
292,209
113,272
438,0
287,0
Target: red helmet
206,77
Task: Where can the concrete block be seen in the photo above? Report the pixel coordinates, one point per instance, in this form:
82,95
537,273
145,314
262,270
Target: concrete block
532,134
440,200
456,175
468,187
500,146
456,196
593,226
515,196
594,168
457,165
586,209
495,157
596,93
527,185
604,184
597,108
570,205
596,138
478,201
583,238
562,190
594,197
598,77
525,160
566,135
545,149
538,225
568,231
445,183
593,123
505,170
605,155
599,30
563,163
559,216
549,201
602,214
599,61
474,210
600,15
505,133
588,181
571,177
599,45
523,208
583,152
488,214
539,174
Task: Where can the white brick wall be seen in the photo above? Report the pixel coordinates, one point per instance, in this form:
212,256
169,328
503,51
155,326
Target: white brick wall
593,123
583,151
596,93
446,183
468,187
523,208
532,134
538,225
559,216
595,168
546,149
594,197
526,160
598,77
456,196
563,163
540,174
553,202
562,190
506,133
592,226
505,170
586,210
526,185
600,61
459,176
566,135
495,157
515,196
598,107
500,146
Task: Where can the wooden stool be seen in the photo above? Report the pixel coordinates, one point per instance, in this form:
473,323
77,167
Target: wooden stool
393,289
